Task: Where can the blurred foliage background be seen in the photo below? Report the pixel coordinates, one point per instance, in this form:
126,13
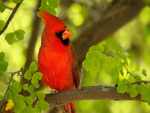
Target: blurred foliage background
133,39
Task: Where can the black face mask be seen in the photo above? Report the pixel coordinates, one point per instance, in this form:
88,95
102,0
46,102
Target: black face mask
60,36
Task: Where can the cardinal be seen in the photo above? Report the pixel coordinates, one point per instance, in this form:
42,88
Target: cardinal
56,57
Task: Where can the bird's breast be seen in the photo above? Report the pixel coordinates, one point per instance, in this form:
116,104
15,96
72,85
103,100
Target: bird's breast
56,68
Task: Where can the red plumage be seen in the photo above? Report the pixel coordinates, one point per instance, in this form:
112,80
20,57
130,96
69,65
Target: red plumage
56,60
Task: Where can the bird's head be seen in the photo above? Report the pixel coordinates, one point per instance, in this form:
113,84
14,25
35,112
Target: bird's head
56,25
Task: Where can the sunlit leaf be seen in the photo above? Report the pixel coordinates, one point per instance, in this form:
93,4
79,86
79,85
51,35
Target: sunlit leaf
10,38
19,34
2,23
15,36
50,6
3,62
145,92
32,69
147,31
2,7
133,90
122,86
35,79
104,62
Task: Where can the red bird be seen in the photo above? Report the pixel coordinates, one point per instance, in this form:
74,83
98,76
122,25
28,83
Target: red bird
56,59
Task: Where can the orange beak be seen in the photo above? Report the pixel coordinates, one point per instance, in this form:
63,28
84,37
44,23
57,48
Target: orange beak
66,34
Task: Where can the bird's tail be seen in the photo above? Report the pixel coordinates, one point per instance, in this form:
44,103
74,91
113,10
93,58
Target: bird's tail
69,108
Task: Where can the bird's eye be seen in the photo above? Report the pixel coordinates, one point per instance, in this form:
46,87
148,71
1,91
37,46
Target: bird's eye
64,37
59,34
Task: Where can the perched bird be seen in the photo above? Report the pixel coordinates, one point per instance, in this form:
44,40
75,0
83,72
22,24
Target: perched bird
56,60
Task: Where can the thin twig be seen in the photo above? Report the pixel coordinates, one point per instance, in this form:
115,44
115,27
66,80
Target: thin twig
11,17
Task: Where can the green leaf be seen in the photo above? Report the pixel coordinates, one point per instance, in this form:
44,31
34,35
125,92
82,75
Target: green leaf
133,90
103,63
147,31
42,104
50,6
20,105
32,69
2,23
16,36
1,97
144,72
27,75
2,7
19,34
2,55
29,88
145,92
14,90
3,66
10,38
35,101
35,79
122,86
3,63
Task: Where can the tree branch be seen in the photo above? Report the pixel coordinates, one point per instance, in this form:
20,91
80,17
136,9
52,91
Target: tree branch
92,93
11,17
88,93
121,12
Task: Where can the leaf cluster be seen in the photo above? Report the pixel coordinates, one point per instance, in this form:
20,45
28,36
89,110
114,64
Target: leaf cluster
28,97
109,62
